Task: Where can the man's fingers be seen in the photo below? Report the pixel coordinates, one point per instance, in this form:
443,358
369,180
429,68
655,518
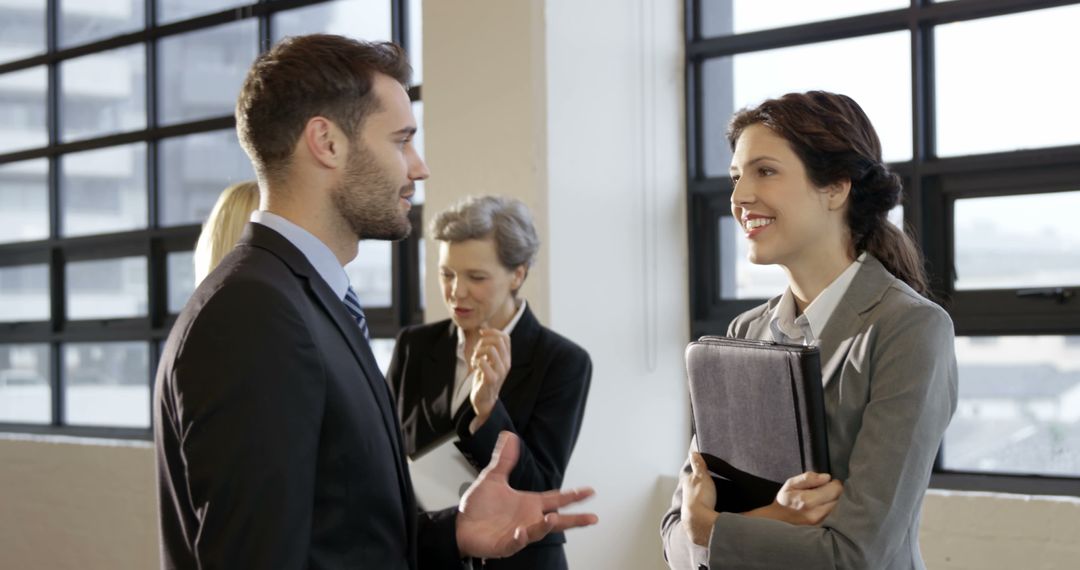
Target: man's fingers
561,522
536,531
555,500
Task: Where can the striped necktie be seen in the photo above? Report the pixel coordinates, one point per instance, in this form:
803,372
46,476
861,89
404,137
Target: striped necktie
352,303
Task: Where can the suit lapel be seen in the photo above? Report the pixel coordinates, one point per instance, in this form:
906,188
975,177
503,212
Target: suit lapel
864,292
522,345
274,242
437,379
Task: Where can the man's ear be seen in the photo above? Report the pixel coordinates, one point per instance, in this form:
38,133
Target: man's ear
838,193
325,142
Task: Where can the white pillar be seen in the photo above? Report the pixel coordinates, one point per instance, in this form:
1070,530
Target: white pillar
576,108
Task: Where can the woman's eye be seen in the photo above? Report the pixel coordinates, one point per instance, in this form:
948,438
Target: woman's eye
734,179
766,171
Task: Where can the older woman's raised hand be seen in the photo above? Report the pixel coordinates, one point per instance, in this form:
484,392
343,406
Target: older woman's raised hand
491,362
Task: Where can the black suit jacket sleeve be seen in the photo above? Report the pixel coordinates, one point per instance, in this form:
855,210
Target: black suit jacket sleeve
245,406
437,539
552,429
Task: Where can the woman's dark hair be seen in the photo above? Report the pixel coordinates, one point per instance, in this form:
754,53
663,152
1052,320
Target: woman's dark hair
835,141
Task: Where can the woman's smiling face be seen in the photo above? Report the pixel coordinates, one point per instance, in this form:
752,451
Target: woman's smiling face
783,214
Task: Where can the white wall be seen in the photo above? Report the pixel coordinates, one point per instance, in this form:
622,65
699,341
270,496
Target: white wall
619,280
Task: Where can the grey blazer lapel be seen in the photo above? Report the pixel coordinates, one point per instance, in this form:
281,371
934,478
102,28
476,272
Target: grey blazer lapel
865,291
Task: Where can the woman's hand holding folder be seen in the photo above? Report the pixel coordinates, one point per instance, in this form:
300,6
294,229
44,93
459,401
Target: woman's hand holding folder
805,499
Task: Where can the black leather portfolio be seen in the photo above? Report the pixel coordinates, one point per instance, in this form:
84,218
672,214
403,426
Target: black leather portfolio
759,416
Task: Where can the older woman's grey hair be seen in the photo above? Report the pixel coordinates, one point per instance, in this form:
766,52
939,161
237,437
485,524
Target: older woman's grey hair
506,220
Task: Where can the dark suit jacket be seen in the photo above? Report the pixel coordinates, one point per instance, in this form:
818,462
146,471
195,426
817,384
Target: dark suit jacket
277,442
542,400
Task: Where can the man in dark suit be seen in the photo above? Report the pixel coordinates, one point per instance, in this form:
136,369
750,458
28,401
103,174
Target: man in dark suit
277,442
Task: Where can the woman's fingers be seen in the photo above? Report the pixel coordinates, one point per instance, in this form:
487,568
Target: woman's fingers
808,480
697,464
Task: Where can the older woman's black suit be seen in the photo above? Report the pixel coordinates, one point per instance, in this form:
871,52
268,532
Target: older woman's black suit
542,400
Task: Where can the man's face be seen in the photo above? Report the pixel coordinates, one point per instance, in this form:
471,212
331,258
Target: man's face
378,182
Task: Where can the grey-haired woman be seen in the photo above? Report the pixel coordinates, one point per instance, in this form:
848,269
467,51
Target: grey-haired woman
492,366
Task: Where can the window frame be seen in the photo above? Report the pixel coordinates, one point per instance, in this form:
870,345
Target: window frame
154,242
931,185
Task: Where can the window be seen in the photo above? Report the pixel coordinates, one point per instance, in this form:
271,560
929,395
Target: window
116,138
970,101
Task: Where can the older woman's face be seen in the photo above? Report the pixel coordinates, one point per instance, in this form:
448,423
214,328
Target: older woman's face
476,288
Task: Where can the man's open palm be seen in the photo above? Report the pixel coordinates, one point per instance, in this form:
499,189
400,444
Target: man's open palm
495,520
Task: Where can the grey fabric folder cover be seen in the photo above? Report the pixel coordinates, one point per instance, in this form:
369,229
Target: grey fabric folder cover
759,416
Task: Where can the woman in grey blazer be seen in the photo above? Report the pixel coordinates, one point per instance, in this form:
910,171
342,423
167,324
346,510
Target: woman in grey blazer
812,195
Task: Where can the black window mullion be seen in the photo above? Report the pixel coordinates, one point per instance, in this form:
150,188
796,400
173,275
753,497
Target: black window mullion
266,30
399,23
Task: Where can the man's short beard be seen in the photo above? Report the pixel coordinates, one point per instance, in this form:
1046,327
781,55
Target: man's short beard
368,200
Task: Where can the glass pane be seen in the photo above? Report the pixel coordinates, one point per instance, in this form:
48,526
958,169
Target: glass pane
24,200
986,103
107,288
24,293
201,72
25,391
83,21
740,279
384,351
418,143
103,191
103,93
22,29
724,17
181,279
370,274
22,110
194,171
1017,241
367,20
416,40
1019,409
107,384
173,10
837,66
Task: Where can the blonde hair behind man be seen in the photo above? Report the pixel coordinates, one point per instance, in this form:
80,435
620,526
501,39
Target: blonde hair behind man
223,228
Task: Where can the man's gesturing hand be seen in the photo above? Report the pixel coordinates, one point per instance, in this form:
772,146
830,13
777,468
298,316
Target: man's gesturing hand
495,521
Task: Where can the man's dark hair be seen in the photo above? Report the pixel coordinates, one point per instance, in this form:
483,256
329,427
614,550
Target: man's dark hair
308,76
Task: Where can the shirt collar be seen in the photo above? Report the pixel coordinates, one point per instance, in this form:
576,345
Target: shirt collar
509,328
808,326
317,253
